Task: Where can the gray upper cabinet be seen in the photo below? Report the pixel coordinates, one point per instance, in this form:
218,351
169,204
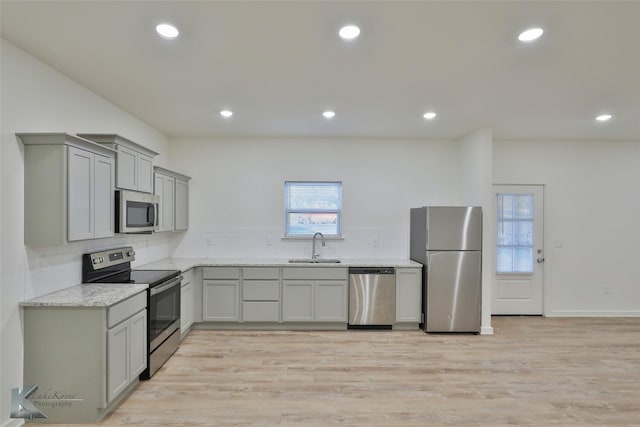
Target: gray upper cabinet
134,166
181,217
173,190
69,189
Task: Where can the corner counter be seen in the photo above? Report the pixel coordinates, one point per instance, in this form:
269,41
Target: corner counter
274,294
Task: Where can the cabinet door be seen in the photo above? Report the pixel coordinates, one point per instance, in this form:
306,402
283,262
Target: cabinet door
158,190
127,163
408,295
144,173
186,307
80,194
104,196
117,360
182,205
221,300
168,202
330,301
138,344
297,301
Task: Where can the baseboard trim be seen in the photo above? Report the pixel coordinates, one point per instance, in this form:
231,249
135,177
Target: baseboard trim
13,422
592,313
486,330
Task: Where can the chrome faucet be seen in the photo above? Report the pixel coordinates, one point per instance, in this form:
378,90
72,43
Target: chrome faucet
315,255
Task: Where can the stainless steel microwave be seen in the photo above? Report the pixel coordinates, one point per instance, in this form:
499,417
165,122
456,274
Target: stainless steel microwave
136,212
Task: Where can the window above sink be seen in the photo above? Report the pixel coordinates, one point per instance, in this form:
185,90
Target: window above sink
313,206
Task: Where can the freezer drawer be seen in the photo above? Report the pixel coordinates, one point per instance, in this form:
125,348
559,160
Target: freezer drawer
453,291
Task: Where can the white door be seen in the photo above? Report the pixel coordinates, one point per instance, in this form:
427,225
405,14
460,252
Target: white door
518,282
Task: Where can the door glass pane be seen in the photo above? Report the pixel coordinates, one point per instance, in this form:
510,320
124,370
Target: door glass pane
505,233
524,206
505,260
514,233
524,233
523,260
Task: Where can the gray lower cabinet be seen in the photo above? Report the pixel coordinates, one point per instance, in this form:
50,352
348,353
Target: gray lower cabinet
274,294
408,295
314,294
87,357
187,301
221,294
126,357
261,294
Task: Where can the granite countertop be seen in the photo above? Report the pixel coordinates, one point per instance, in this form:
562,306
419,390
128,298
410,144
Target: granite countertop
184,264
87,295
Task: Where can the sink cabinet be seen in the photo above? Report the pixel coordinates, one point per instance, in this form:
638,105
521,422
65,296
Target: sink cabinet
314,294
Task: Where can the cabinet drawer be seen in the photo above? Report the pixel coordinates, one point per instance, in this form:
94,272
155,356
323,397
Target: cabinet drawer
221,273
260,290
125,309
260,311
315,273
261,273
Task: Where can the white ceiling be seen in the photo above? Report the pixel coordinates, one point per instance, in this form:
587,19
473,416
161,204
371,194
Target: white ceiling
279,64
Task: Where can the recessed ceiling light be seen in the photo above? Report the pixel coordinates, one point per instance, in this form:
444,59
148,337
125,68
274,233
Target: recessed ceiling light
430,115
530,35
604,117
328,114
349,32
226,113
167,31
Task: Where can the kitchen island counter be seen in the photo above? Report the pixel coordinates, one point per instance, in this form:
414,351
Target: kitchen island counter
87,295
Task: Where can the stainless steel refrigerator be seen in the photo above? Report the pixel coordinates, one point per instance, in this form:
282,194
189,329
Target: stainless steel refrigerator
447,240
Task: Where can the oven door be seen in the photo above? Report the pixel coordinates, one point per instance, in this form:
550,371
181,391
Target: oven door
164,311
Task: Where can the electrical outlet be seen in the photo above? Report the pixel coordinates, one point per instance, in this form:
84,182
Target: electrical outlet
376,242
607,289
209,241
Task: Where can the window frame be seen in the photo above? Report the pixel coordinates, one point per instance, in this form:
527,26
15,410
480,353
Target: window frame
288,210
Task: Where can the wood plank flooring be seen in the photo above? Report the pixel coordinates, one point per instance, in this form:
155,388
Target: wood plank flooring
533,372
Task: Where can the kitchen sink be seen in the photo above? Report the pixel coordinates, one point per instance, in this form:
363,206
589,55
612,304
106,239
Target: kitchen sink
314,261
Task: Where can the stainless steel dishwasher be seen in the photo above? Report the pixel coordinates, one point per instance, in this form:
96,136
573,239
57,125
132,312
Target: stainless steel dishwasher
372,297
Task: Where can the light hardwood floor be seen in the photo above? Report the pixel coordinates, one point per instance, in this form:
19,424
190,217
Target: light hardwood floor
534,371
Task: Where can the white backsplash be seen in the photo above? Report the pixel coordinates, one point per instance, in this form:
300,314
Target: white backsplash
49,269
268,243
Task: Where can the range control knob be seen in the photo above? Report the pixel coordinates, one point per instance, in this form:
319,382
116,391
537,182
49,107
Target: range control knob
131,253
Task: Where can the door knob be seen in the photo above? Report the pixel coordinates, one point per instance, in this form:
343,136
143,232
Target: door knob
540,260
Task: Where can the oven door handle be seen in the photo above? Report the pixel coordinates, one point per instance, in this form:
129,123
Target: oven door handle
162,288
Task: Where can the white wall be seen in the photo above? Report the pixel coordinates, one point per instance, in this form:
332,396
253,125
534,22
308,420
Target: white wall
36,98
237,192
476,160
592,207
